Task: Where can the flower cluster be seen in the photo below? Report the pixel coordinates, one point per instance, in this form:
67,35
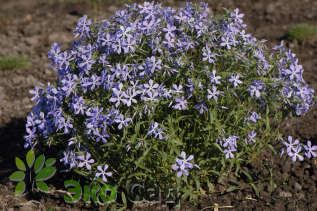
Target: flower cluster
169,80
295,149
294,91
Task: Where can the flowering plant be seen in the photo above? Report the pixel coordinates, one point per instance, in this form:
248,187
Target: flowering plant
152,84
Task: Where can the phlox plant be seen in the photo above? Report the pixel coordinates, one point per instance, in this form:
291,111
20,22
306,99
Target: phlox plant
163,96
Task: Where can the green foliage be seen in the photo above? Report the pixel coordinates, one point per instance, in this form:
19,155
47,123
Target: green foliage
302,32
10,63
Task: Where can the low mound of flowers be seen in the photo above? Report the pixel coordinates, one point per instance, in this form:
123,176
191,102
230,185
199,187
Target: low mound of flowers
164,96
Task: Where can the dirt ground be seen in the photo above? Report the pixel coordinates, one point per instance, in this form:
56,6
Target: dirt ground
30,27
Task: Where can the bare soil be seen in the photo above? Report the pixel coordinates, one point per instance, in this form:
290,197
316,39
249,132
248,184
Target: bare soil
30,27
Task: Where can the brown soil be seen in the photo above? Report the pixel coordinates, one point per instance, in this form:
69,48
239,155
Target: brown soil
30,27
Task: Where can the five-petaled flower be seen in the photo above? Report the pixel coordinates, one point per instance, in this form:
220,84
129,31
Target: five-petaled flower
183,164
85,161
102,172
309,150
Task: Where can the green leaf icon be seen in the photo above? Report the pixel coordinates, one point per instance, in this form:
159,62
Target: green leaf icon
46,173
39,163
20,164
17,176
42,186
30,157
50,161
20,188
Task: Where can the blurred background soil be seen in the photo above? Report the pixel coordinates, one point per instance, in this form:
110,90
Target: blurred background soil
29,27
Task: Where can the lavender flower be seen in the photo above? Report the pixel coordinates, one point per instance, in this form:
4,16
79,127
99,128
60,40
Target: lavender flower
294,154
183,164
291,144
83,27
102,172
69,159
235,80
214,93
229,152
208,56
181,103
253,117
255,88
213,78
251,137
85,161
310,150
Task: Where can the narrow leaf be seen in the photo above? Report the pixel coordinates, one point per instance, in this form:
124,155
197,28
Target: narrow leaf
272,148
17,176
232,188
247,174
20,188
20,164
42,186
210,187
124,199
30,157
46,173
39,163
255,190
50,161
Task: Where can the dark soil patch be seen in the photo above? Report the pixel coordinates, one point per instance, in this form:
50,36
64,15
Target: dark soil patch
30,27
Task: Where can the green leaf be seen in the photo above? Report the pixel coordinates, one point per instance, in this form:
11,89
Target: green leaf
197,184
232,188
30,157
215,172
248,175
255,190
46,173
20,188
42,186
20,164
50,161
39,163
210,187
272,148
124,199
17,176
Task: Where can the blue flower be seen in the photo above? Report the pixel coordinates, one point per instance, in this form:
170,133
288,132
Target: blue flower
83,27
207,55
69,158
253,117
181,103
251,137
235,80
85,161
214,93
310,150
294,154
182,165
102,172
291,144
213,78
